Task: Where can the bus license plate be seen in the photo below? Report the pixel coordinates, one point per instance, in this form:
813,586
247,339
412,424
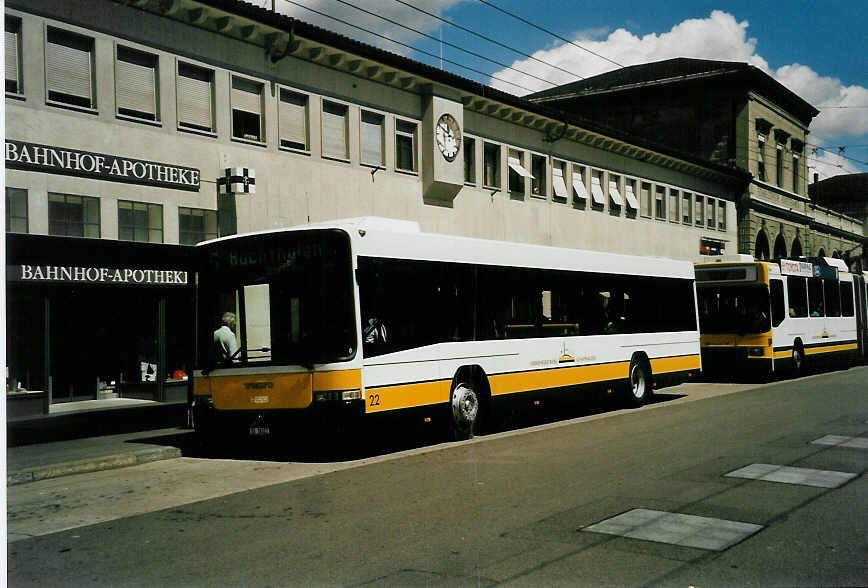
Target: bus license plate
259,430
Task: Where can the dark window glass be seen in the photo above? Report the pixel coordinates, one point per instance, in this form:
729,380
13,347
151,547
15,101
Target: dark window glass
847,299
777,290
469,160
797,292
733,309
140,221
73,216
833,298
491,156
195,225
815,297
16,210
405,151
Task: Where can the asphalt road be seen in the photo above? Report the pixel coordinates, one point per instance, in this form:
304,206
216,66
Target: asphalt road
508,508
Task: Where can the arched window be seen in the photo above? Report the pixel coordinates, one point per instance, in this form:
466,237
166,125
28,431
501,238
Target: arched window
761,249
835,254
780,248
821,252
796,249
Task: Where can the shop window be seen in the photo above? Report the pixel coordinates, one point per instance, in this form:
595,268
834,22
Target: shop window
559,184
372,138
13,55
721,215
709,212
760,158
16,210
195,98
405,145
247,113
195,225
73,216
517,173
539,173
674,200
660,202
140,221
699,210
645,196
292,120
469,160
69,69
136,83
491,165
687,208
334,130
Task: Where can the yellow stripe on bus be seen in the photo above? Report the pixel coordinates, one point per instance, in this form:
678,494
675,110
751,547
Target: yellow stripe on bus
407,395
830,348
666,365
556,378
337,380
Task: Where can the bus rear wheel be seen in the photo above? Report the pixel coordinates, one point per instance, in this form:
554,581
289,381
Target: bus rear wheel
640,382
798,359
465,411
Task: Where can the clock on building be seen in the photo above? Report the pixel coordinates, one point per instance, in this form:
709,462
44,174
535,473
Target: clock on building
448,136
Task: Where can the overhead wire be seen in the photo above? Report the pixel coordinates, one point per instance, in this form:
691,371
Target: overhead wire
420,51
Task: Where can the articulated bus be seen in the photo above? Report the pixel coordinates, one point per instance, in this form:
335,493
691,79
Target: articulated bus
371,316
779,315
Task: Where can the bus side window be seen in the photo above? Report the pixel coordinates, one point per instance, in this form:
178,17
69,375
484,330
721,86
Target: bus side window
797,293
833,298
778,311
815,297
847,299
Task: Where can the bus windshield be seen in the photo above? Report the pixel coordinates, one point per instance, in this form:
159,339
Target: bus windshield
280,298
734,309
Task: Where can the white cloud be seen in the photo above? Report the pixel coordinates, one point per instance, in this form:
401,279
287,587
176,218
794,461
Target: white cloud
720,37
827,163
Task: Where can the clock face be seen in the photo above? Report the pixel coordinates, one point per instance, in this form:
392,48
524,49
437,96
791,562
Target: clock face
448,137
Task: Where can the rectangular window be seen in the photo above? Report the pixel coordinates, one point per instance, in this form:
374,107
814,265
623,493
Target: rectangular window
559,183
371,138
797,294
334,130
195,98
721,215
13,55
538,170
16,210
815,297
630,195
580,192
645,196
779,165
615,197
517,173
674,199
660,202
599,199
69,69
760,158
709,212
699,211
405,145
796,173
469,160
136,83
140,221
847,308
73,216
195,225
247,110
687,208
491,165
292,120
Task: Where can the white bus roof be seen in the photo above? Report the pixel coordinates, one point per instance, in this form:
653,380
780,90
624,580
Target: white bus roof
376,237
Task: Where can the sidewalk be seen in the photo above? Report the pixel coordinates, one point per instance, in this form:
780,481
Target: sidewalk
91,440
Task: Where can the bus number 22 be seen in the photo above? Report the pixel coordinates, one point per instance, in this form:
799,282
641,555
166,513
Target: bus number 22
375,399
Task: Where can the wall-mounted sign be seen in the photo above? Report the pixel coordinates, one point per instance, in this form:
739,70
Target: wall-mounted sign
72,162
237,180
96,275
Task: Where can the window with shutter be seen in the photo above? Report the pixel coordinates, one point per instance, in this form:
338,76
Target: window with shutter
13,56
136,83
371,138
292,120
69,69
247,110
334,130
195,98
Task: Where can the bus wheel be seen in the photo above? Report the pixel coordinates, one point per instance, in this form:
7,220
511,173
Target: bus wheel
640,381
798,359
465,411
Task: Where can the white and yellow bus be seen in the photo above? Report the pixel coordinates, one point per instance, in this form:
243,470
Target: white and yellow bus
779,315
369,316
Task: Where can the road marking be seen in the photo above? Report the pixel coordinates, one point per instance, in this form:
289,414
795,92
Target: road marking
676,529
842,441
790,475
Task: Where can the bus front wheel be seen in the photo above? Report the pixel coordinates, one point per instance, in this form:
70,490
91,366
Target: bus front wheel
640,381
465,411
798,359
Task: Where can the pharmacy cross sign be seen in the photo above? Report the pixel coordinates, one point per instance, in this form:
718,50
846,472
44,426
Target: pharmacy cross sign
237,180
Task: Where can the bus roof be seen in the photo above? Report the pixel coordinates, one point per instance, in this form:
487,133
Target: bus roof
376,237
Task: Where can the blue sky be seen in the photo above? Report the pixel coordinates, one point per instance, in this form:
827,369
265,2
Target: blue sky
819,49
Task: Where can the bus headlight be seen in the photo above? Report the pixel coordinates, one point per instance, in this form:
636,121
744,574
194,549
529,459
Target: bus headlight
756,351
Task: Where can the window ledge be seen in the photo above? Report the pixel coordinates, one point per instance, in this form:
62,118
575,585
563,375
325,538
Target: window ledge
484,187
252,142
66,106
559,199
135,119
539,197
377,166
16,96
197,132
291,150
408,172
470,184
336,158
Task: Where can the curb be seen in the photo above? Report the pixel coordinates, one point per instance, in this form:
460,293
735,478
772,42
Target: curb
81,466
